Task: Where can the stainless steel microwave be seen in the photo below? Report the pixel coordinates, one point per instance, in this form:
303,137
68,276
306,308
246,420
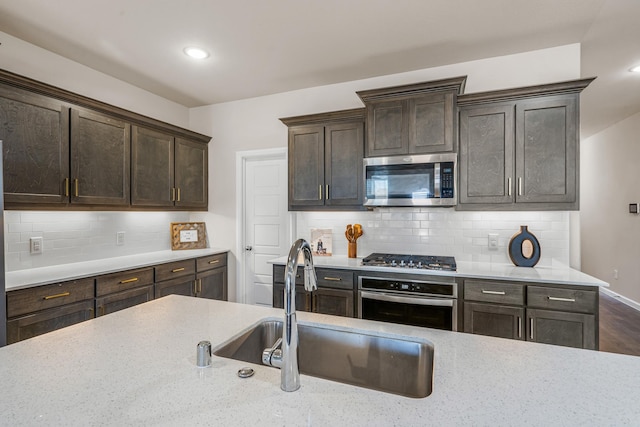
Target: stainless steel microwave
421,180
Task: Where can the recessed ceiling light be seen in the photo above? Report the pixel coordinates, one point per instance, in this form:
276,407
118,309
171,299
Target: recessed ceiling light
635,69
196,52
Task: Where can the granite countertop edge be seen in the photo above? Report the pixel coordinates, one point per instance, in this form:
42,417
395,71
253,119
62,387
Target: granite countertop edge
27,278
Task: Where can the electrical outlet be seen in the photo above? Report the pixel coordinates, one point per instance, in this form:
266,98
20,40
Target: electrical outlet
615,274
35,245
493,241
120,238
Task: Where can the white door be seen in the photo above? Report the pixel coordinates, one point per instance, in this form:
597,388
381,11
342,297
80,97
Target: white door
266,225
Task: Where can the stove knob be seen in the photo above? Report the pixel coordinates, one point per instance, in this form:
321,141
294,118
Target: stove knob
411,264
393,263
419,265
402,264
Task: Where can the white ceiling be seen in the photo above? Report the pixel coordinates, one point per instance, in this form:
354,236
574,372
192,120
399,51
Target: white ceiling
262,47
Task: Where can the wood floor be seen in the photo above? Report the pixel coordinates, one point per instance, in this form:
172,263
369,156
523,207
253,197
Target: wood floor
619,327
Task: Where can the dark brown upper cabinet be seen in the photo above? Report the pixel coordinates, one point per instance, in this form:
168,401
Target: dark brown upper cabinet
412,119
35,134
325,161
519,148
100,159
63,150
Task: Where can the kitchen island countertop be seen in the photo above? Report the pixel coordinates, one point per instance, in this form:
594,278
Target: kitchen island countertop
137,367
558,274
27,278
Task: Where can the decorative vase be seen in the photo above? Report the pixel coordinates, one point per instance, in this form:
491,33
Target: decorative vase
352,249
524,248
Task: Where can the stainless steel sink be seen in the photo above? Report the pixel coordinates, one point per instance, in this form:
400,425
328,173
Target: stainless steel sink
360,358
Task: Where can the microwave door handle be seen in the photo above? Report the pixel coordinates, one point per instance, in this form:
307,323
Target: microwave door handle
380,296
436,181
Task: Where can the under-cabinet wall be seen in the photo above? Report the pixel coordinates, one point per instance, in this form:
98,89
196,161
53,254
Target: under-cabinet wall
84,236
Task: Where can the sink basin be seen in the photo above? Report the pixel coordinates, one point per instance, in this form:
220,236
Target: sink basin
389,364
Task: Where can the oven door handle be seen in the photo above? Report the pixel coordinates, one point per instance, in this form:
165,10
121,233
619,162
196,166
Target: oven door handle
381,296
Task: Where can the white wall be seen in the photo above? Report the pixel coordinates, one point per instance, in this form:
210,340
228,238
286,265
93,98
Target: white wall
609,183
253,123
28,60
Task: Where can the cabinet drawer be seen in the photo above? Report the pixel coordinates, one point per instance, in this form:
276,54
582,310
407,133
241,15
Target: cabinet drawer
179,286
175,269
124,280
278,274
38,298
332,278
209,262
496,292
575,300
125,299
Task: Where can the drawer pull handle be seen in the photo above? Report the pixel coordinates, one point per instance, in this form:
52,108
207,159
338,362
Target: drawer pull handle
493,292
133,279
76,187
562,299
64,294
531,329
215,261
519,327
66,187
333,279
177,270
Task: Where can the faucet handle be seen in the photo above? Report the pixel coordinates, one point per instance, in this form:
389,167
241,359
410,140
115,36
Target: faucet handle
273,356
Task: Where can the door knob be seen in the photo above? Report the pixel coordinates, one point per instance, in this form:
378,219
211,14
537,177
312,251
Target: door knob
248,248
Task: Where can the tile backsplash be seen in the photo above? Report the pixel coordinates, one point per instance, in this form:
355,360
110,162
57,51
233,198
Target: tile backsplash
83,236
443,231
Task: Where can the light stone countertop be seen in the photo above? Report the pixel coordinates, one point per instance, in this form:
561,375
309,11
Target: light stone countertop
137,367
20,279
558,274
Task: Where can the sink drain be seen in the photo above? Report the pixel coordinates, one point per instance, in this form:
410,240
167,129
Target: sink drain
245,372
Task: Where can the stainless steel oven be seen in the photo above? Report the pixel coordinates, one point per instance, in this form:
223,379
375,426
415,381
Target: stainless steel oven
427,303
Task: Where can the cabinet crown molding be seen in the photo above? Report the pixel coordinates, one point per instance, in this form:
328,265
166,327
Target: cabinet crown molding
332,116
455,84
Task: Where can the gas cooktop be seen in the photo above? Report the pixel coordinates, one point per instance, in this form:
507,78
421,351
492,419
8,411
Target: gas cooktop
424,262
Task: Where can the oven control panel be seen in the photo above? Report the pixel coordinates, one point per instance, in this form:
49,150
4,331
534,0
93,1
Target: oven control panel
415,287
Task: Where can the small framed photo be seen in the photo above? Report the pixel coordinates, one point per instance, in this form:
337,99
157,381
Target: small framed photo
188,235
321,241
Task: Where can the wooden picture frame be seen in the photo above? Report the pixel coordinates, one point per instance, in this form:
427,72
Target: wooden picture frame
188,235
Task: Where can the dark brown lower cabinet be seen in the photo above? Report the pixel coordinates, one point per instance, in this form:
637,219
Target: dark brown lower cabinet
212,284
333,301
303,298
121,300
561,328
44,321
179,286
494,320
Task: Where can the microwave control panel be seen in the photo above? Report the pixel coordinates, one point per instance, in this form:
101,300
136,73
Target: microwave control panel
446,180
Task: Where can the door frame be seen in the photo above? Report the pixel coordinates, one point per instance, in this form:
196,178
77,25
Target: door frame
242,157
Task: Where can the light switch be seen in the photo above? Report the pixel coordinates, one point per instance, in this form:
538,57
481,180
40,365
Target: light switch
493,241
120,238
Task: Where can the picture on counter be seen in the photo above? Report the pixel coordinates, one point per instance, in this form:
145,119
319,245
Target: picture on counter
188,235
321,241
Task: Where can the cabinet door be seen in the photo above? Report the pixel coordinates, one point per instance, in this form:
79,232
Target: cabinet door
152,165
35,134
494,320
306,166
547,150
387,128
333,301
560,328
100,160
344,151
44,321
178,286
431,124
121,300
486,154
303,298
212,284
191,172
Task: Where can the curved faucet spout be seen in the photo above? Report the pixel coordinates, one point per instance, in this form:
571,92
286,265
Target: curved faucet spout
289,372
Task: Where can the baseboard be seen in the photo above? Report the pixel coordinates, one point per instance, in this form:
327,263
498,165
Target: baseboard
631,303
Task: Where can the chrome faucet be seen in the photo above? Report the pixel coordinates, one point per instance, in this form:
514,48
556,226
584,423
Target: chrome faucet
286,358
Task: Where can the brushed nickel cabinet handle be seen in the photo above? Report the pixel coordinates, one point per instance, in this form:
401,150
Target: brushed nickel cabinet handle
519,327
215,261
509,185
561,299
333,279
319,192
133,279
64,294
493,292
519,186
177,270
531,326
66,187
326,191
